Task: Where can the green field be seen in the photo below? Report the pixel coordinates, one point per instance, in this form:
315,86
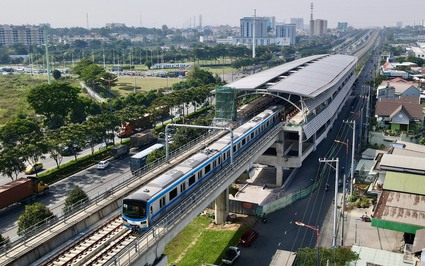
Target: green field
13,92
126,84
199,243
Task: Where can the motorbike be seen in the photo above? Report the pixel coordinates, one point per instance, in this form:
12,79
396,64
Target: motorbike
327,187
366,218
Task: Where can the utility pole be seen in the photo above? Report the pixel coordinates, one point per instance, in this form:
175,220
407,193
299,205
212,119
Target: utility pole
329,162
353,147
46,41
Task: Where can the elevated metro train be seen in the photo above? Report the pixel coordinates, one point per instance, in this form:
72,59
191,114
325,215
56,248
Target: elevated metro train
144,207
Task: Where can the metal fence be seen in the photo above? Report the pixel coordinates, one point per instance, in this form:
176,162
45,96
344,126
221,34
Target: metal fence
125,179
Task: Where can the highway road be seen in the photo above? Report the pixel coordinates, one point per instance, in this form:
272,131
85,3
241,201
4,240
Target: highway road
93,181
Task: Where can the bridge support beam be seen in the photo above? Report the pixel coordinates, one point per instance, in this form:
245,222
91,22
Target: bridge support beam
279,176
222,207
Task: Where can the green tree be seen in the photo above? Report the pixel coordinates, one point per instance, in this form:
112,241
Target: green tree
34,148
336,256
54,145
54,101
11,163
75,196
4,241
85,62
148,64
33,214
91,74
16,131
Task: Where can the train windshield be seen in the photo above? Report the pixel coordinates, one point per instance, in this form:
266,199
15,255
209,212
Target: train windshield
134,209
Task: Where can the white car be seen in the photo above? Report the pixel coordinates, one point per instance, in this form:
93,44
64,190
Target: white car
102,164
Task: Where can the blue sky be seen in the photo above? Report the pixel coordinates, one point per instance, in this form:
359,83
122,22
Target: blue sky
181,13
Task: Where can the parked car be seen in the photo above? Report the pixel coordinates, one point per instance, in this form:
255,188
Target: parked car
102,164
248,237
35,167
69,150
232,254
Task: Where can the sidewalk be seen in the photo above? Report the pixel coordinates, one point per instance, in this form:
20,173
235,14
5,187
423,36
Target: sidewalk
357,232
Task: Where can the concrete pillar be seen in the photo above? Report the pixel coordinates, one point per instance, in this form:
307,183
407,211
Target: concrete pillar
222,207
300,144
279,176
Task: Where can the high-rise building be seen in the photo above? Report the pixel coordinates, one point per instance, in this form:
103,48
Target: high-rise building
287,31
247,26
26,35
399,24
318,27
342,26
299,22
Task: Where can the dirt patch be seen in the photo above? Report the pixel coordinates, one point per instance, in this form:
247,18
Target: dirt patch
234,222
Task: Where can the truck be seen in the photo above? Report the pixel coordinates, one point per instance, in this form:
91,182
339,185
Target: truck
134,125
138,161
22,190
119,151
143,139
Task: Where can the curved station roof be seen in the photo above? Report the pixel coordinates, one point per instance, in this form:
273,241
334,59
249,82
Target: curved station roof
307,77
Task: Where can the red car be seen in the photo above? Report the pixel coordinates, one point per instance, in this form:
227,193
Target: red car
248,237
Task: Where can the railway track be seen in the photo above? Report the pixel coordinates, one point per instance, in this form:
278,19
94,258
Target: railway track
91,249
104,242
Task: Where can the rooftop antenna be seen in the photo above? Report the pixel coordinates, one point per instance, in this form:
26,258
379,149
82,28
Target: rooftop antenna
311,16
311,21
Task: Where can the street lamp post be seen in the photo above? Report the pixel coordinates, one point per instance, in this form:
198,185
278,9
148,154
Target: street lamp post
317,238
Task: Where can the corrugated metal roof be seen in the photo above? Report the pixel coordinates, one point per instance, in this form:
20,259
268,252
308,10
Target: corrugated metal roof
259,79
391,161
404,182
403,208
309,76
409,146
315,78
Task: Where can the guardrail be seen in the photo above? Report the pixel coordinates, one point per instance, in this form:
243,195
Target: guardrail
145,241
126,179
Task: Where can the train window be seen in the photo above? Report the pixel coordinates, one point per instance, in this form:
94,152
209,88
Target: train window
199,175
173,194
234,148
243,142
151,208
191,180
162,202
182,187
228,154
207,169
219,160
214,164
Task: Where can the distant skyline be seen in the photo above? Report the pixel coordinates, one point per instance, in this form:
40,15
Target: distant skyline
183,13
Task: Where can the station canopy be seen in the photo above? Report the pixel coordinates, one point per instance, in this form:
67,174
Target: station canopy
307,77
